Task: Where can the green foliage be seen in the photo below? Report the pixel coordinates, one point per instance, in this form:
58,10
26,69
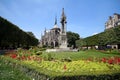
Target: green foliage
68,59
50,57
72,37
13,36
37,50
31,34
110,36
59,69
80,66
117,32
115,51
39,53
80,43
7,72
78,55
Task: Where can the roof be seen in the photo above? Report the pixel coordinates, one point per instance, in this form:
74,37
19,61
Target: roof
55,28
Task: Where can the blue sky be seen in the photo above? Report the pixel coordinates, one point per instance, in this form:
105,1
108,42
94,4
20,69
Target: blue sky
85,17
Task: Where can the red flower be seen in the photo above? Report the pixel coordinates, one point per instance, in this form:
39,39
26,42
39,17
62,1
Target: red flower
104,60
110,61
117,61
65,67
89,59
23,57
13,56
29,58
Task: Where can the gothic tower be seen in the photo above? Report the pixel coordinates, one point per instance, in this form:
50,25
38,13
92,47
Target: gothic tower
63,35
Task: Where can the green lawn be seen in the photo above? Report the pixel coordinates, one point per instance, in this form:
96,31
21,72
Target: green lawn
78,55
9,73
77,67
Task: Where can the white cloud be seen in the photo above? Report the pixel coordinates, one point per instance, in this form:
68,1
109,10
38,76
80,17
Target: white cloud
95,33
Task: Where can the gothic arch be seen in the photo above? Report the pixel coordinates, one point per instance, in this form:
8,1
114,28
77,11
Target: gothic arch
46,43
52,44
56,44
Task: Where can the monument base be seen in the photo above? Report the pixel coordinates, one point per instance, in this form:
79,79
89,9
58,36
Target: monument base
63,46
62,50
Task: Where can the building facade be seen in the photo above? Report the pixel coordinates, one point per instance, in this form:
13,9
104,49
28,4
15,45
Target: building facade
113,21
56,37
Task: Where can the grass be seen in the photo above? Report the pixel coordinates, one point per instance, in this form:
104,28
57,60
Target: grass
9,73
56,68
78,55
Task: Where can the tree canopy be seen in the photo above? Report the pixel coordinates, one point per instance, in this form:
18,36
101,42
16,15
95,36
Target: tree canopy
110,36
31,34
12,36
72,37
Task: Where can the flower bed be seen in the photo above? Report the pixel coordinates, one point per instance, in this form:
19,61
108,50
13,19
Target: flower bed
38,68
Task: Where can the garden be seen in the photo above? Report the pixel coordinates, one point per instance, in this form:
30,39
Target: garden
37,64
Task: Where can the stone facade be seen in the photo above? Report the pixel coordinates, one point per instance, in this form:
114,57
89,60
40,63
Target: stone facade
113,21
56,37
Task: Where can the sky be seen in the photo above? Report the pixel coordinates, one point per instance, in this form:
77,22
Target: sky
85,17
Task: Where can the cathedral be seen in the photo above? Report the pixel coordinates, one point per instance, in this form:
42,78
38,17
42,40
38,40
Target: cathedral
56,37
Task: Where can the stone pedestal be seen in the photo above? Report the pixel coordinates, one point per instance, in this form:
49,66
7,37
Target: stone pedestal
63,46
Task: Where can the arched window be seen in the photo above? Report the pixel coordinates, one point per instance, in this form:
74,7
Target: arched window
46,43
52,44
56,44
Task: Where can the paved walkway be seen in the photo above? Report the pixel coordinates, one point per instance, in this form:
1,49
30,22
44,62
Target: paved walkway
3,52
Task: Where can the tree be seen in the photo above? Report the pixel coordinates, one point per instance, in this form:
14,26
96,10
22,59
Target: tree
108,37
12,36
80,43
72,37
117,33
31,34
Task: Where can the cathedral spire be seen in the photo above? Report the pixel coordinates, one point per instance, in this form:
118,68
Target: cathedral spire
63,14
55,20
63,35
63,22
45,31
55,25
63,17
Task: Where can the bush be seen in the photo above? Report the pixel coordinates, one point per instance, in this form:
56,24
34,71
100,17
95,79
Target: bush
42,49
50,58
38,53
66,59
115,51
